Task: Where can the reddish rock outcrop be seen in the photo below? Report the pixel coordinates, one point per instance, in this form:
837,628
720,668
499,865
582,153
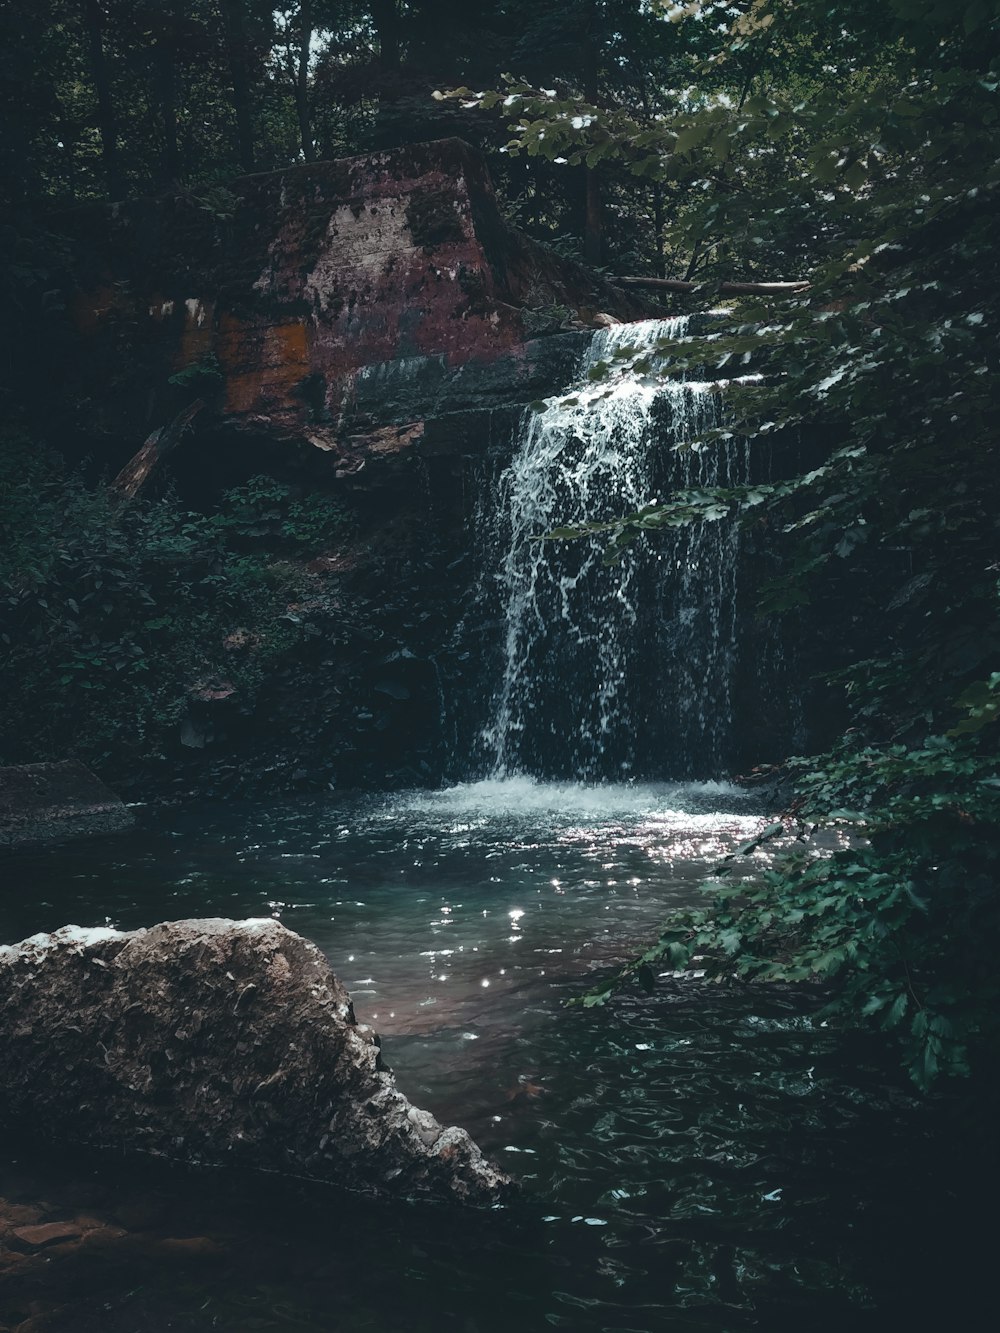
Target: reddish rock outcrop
221,1042
296,280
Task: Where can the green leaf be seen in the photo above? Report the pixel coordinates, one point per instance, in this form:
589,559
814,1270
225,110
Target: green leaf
692,137
896,1012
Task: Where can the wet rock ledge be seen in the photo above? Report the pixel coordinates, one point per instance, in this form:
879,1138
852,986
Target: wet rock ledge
218,1042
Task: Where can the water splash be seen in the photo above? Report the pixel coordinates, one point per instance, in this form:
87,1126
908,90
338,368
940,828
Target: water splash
608,673
521,797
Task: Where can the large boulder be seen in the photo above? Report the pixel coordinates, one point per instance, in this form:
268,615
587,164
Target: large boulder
219,1042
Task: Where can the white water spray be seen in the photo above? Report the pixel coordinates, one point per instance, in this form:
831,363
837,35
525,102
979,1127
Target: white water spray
602,664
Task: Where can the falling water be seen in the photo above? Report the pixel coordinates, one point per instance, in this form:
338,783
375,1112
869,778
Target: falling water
611,672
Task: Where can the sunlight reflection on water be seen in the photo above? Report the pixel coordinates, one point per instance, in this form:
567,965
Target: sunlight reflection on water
702,1129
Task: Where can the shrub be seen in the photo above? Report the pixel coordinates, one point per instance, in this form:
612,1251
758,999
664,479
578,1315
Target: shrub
110,614
265,511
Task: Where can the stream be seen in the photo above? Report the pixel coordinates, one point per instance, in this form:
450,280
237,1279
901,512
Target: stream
702,1159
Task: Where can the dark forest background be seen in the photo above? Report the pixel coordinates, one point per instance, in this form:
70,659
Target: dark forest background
851,144
109,98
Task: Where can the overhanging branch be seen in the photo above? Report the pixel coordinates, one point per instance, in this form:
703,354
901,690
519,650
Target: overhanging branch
723,288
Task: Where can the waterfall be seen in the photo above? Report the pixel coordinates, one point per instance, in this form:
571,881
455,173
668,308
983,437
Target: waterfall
611,672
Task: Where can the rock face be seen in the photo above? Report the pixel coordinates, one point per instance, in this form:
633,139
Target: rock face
42,803
286,286
372,330
220,1042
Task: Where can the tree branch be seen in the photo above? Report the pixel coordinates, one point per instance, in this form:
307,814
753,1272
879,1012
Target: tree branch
723,288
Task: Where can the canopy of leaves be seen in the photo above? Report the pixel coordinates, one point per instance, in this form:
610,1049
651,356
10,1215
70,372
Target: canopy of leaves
855,145
102,98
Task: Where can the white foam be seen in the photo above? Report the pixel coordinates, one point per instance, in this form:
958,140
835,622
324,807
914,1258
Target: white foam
521,795
75,938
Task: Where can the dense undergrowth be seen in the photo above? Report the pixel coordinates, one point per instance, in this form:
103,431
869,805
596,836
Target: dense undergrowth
114,617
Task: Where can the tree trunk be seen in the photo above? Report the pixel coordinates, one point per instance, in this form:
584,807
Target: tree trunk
386,16
140,469
239,72
593,229
165,80
106,122
658,228
593,223
67,134
302,81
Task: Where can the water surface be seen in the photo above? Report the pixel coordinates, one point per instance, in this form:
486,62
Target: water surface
699,1159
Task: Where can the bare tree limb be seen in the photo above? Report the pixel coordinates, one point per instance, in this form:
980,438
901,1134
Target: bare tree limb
723,288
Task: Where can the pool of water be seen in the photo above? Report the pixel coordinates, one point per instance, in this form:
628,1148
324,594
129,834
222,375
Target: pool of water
700,1159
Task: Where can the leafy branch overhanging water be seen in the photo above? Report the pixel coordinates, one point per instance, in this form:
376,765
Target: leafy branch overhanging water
888,169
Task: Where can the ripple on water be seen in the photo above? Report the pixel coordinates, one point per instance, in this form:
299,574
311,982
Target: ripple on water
702,1151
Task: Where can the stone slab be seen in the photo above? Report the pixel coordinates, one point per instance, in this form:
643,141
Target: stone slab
44,803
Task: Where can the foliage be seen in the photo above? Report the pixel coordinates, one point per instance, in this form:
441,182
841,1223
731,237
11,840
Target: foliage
874,172
895,909
269,514
202,376
218,201
106,98
112,615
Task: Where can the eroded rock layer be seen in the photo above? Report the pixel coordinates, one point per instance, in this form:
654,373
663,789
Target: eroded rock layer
286,285
220,1042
